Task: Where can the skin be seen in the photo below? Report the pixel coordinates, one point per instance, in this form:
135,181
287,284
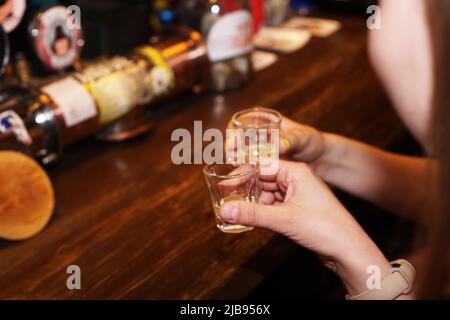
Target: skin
402,56
384,178
296,202
319,223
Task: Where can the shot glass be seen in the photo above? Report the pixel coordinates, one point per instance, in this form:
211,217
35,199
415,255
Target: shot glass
231,182
259,134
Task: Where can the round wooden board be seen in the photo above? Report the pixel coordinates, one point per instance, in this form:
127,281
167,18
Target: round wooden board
26,196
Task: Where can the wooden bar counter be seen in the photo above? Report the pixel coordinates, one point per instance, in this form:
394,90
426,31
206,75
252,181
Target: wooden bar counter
140,227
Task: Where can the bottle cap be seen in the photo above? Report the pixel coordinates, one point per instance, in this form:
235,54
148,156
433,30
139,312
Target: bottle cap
56,39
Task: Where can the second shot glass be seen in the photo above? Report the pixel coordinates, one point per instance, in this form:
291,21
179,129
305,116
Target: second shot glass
258,130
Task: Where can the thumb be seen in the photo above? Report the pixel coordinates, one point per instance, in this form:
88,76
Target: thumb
254,214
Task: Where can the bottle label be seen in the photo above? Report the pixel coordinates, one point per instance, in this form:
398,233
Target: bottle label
119,84
230,36
11,122
74,101
161,79
119,92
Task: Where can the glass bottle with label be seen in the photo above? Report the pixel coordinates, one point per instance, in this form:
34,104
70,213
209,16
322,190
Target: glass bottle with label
27,124
227,27
108,95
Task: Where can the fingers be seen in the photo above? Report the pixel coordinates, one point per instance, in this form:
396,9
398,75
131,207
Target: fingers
304,143
285,144
288,141
254,214
287,138
267,198
268,186
278,196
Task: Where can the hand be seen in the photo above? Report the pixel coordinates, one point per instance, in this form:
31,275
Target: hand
299,205
301,142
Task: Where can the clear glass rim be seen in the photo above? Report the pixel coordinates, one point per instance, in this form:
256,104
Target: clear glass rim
254,168
255,109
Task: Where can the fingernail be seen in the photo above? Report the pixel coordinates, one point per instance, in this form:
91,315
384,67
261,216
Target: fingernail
229,213
285,145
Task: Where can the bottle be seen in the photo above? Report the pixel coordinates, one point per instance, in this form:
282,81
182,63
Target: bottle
258,14
276,11
227,27
28,125
108,95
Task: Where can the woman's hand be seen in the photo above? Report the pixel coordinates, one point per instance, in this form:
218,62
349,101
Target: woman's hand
299,205
301,142
383,178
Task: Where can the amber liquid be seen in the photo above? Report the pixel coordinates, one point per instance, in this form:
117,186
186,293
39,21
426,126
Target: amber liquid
261,147
254,151
227,227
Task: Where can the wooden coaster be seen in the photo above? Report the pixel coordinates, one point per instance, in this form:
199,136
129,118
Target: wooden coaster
26,196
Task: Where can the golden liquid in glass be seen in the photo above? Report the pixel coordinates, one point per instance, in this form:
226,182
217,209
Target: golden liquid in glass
227,227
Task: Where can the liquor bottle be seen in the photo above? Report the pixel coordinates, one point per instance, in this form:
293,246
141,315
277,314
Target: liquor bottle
258,14
28,125
107,95
277,11
57,38
227,27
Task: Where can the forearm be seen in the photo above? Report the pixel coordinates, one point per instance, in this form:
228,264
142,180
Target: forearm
397,183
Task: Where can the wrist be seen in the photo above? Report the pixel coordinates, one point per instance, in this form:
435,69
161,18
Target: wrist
331,151
355,266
